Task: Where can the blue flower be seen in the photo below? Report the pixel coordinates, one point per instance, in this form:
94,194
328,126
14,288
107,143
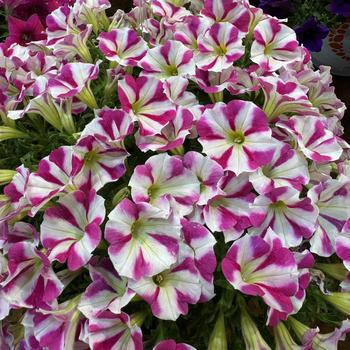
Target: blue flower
340,7
311,34
277,8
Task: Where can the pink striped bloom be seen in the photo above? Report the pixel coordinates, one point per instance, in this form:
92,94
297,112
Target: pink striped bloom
144,99
162,180
31,282
305,261
170,13
313,138
219,47
172,135
106,291
236,135
190,29
56,329
202,242
230,210
170,59
71,230
332,198
170,291
170,344
108,331
16,200
284,96
291,217
274,46
72,79
208,173
54,175
228,11
123,46
263,267
142,242
287,168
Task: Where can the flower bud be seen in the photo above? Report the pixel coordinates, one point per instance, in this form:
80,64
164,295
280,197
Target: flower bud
6,176
251,335
337,271
283,339
340,301
217,339
6,133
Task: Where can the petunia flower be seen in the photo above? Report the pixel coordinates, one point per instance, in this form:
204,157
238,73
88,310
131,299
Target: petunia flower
170,291
123,46
229,211
145,100
236,135
333,202
199,238
219,47
311,34
170,344
142,242
106,291
113,332
232,12
318,143
74,80
171,13
277,8
162,179
208,173
340,7
171,59
31,281
291,217
287,168
274,45
23,32
54,175
71,230
263,267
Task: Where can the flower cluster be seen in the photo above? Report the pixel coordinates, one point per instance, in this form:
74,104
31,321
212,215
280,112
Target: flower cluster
180,162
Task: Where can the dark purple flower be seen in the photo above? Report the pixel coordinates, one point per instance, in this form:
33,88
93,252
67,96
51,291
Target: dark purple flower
340,7
22,32
278,8
311,34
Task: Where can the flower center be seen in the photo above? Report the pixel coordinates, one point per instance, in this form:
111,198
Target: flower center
171,71
221,50
158,279
279,205
90,157
153,191
236,137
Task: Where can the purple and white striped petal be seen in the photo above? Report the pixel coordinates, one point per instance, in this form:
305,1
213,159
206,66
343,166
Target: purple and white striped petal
170,344
144,99
123,46
108,331
170,292
274,45
263,267
291,217
332,198
142,243
161,177
107,291
219,47
109,125
54,175
172,135
71,230
170,13
72,79
103,162
31,282
287,168
202,242
208,173
230,211
228,11
236,135
313,138
168,60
